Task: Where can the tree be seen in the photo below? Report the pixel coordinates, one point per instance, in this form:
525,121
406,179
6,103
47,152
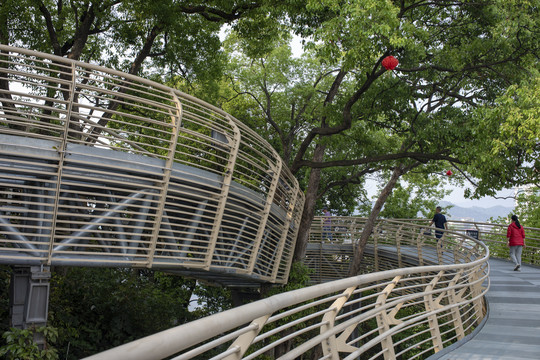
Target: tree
452,60
528,207
161,39
508,151
20,344
416,193
95,309
454,57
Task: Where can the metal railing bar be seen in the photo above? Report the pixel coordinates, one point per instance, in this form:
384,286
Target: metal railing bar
213,344
98,221
374,341
124,98
284,339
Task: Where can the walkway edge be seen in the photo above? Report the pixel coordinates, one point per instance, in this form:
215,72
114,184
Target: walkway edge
463,341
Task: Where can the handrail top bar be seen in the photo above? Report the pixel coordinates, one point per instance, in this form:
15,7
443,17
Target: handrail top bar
421,220
233,318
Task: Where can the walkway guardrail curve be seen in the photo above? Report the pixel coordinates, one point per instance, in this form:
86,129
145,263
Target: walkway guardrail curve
101,168
494,236
434,299
332,245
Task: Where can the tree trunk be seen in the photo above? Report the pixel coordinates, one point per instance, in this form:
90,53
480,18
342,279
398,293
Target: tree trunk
309,206
366,233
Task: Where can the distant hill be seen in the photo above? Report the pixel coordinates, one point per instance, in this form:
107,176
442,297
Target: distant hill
477,213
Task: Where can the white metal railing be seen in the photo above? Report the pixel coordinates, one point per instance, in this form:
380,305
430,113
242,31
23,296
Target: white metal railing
408,312
494,236
332,246
101,168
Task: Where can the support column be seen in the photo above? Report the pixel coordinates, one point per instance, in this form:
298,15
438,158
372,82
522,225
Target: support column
29,298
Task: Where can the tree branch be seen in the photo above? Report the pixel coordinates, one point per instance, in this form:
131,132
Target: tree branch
421,157
217,15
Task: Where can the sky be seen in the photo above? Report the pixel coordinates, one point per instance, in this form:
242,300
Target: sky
456,197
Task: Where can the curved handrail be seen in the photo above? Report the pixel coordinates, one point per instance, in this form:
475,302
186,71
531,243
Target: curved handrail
494,236
331,247
102,168
402,312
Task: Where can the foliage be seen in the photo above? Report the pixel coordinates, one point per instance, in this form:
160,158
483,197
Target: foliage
5,279
354,116
507,152
20,344
210,300
528,207
298,279
419,194
96,309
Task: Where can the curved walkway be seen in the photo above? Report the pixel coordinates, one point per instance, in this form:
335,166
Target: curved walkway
102,168
511,330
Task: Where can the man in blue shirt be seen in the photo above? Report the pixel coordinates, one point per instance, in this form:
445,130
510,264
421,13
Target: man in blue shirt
440,222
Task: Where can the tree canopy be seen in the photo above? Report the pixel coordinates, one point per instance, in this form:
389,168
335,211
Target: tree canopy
348,112
464,94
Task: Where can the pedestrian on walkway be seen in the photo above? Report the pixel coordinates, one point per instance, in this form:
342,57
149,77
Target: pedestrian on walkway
327,224
440,222
516,241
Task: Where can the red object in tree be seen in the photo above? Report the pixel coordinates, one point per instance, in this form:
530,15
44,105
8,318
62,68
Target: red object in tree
390,62
449,172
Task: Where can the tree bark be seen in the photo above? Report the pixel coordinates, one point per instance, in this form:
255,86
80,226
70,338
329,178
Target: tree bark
366,233
309,206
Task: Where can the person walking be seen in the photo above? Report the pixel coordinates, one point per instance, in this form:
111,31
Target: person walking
440,222
516,241
327,224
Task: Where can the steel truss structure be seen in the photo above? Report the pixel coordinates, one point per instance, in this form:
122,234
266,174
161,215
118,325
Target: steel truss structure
100,168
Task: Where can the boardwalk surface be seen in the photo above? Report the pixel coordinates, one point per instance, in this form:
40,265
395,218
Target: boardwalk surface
512,329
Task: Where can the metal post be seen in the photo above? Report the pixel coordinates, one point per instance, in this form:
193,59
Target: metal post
243,342
432,305
234,142
176,120
454,299
383,322
62,155
283,239
29,298
330,345
276,171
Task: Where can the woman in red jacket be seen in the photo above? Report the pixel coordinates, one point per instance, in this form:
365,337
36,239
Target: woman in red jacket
516,241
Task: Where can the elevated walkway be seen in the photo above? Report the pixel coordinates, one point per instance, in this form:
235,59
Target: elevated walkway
100,168
511,330
433,300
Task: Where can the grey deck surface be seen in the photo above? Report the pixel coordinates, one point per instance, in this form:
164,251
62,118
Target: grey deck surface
512,329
